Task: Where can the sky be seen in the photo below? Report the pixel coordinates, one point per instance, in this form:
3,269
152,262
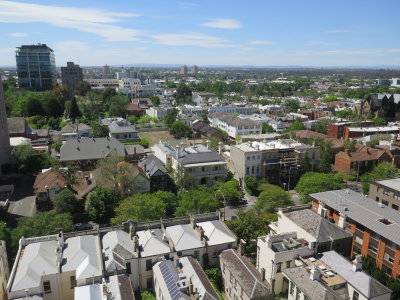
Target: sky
206,32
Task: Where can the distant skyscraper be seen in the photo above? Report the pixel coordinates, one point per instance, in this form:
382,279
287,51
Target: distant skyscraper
195,69
106,70
184,70
5,151
71,75
36,67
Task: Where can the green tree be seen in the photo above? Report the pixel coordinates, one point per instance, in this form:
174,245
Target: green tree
349,145
344,114
251,183
230,190
266,128
99,130
74,112
215,277
198,200
146,295
312,182
330,98
326,157
65,202
292,105
27,161
170,117
155,100
380,171
145,143
179,130
322,125
116,105
52,105
380,121
140,207
296,125
250,224
108,94
34,106
101,203
305,164
183,94
273,197
82,88
169,199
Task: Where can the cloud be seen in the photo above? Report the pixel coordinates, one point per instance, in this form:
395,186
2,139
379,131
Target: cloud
338,31
71,46
95,21
191,39
259,42
394,50
187,5
322,43
223,24
18,34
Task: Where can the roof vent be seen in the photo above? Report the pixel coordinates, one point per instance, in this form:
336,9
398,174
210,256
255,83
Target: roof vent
381,205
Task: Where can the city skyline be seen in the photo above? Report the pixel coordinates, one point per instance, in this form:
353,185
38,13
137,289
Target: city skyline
204,33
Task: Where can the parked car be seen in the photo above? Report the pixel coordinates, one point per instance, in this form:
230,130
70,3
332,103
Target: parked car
82,226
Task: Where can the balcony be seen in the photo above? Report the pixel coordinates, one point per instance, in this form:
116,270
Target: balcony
206,173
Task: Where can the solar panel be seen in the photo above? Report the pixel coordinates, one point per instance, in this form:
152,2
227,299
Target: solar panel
169,279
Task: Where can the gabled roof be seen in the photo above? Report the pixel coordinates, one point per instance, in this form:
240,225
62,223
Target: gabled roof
83,255
216,233
233,120
364,153
305,134
48,180
18,125
152,242
246,274
184,237
152,164
361,281
69,128
120,243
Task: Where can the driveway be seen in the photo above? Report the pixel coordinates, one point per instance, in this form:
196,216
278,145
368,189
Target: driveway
22,203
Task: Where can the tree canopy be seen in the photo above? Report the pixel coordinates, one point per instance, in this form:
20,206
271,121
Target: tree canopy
198,200
273,197
296,125
179,130
65,202
230,190
380,171
101,203
27,161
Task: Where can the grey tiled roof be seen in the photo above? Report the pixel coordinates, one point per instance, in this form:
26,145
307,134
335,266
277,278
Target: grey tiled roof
363,210
152,164
93,148
361,281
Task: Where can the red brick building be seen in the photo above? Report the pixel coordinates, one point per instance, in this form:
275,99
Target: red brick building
337,130
375,228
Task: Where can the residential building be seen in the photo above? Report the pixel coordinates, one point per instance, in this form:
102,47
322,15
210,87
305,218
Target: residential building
375,227
18,127
381,105
158,112
121,129
202,97
5,149
199,164
51,267
337,130
86,152
184,70
307,134
76,131
395,82
234,126
106,70
331,276
204,129
140,180
36,67
138,106
71,75
298,232
361,160
386,191
4,271
191,110
241,279
355,132
277,161
160,180
182,278
225,109
195,69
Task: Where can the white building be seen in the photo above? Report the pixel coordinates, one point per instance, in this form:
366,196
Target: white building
234,126
158,112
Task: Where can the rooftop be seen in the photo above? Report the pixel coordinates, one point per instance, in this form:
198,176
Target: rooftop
364,211
216,233
391,183
184,237
153,242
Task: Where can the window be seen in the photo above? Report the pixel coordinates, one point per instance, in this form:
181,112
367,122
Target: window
278,267
72,280
288,264
247,170
385,202
252,170
291,288
386,192
394,206
46,287
248,157
196,254
148,264
356,295
377,199
359,240
388,258
128,268
372,248
223,268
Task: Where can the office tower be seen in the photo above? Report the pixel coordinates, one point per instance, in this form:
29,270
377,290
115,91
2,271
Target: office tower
36,67
184,70
5,151
71,75
106,70
195,69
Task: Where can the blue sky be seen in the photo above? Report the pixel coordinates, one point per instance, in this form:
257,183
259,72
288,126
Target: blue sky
206,32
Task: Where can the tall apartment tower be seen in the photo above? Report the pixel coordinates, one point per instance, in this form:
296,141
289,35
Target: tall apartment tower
71,75
184,70
195,69
106,70
5,150
36,67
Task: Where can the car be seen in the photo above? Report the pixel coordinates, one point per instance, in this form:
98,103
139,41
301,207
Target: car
82,226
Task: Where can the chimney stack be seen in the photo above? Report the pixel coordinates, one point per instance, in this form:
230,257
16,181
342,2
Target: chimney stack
220,147
315,274
357,264
208,144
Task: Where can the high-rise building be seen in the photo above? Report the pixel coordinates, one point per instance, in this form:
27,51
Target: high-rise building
195,69
106,70
36,67
184,70
71,75
5,151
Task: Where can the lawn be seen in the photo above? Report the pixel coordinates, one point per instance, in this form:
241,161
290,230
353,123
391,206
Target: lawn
154,137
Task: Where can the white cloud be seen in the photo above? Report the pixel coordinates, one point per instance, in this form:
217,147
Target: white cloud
259,42
191,39
394,50
339,31
95,21
223,24
18,34
322,43
187,5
